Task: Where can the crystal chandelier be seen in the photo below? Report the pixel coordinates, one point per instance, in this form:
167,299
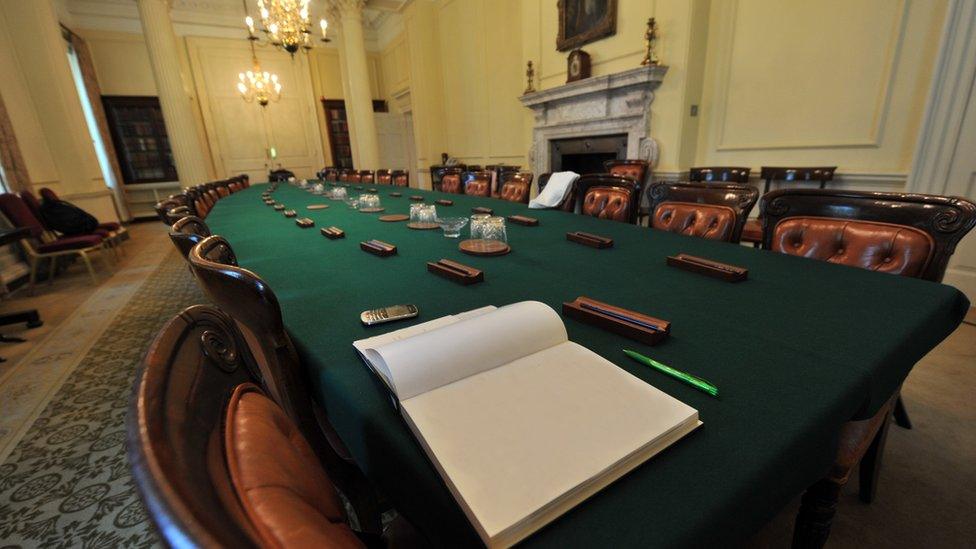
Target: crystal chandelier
286,24
257,85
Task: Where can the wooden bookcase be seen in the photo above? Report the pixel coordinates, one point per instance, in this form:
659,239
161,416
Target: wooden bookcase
338,127
140,140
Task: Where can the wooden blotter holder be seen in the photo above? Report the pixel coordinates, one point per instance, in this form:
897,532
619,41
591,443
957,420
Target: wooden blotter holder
304,222
396,194
417,198
378,247
524,220
452,270
632,330
707,267
482,210
332,233
588,239
444,202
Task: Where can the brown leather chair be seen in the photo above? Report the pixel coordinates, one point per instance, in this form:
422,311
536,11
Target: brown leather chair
187,232
500,174
254,307
367,177
384,177
724,174
609,197
517,187
820,174
401,178
216,462
903,234
637,170
476,183
354,177
451,181
715,211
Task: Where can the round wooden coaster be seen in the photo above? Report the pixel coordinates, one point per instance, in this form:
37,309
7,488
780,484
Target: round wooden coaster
394,217
317,206
484,247
371,210
423,226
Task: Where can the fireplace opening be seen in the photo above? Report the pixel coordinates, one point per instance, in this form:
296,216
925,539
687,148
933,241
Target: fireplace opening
585,155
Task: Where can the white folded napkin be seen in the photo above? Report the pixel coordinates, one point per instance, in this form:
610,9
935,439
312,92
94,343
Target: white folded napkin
556,190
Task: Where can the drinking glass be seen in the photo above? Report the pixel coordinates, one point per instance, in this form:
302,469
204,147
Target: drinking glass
339,193
452,225
352,202
427,213
477,223
415,212
370,200
493,228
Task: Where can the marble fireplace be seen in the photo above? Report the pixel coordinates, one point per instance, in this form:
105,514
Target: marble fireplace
584,122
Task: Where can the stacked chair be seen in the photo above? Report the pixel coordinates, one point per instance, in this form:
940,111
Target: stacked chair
44,245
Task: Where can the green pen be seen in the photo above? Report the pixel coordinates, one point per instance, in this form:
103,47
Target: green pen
695,382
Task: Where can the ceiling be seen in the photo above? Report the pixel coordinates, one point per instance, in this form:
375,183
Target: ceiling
204,17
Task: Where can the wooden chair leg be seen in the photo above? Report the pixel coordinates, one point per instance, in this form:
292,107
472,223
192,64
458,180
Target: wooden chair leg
870,467
50,274
33,274
88,265
901,414
817,509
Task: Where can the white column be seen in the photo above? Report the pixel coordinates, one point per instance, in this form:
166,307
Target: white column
359,101
164,55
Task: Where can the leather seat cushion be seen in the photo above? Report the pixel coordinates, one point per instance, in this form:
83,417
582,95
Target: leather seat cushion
71,243
451,184
884,247
478,187
710,221
607,203
515,192
281,485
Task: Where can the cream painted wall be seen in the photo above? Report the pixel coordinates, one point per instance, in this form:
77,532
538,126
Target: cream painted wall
121,62
830,82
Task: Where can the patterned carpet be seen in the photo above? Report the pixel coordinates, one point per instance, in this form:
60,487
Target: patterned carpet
67,483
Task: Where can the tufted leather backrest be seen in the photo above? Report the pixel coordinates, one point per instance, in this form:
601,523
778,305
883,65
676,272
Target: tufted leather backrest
451,183
608,197
367,177
883,247
383,177
478,184
354,178
607,203
904,233
634,169
515,190
401,180
282,488
709,221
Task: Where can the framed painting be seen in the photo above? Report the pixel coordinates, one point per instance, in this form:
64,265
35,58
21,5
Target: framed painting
583,21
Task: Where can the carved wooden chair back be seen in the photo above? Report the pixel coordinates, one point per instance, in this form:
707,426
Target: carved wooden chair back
608,197
638,170
900,233
187,232
401,178
477,183
820,174
367,177
517,187
725,174
715,211
384,177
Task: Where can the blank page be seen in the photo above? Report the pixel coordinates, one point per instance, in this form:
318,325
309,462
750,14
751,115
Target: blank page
511,440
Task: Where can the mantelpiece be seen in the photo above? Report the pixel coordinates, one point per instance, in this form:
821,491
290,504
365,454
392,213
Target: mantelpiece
612,104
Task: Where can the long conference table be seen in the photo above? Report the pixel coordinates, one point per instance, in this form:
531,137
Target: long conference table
796,350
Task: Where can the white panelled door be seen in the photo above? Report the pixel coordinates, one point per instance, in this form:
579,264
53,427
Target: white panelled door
241,135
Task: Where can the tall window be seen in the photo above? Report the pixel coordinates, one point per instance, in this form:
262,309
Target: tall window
90,121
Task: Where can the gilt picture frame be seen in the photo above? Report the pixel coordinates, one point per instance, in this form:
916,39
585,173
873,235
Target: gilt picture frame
585,21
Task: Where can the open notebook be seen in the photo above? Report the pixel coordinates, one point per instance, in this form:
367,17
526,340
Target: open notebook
521,423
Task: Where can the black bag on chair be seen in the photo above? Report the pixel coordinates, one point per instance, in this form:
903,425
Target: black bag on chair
67,219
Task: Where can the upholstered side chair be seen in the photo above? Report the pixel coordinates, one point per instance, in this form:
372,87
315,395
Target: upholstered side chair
384,177
608,197
401,178
254,307
187,232
477,183
517,187
715,211
897,233
216,462
451,181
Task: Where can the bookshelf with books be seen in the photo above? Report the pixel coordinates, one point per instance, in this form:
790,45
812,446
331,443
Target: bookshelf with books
338,128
